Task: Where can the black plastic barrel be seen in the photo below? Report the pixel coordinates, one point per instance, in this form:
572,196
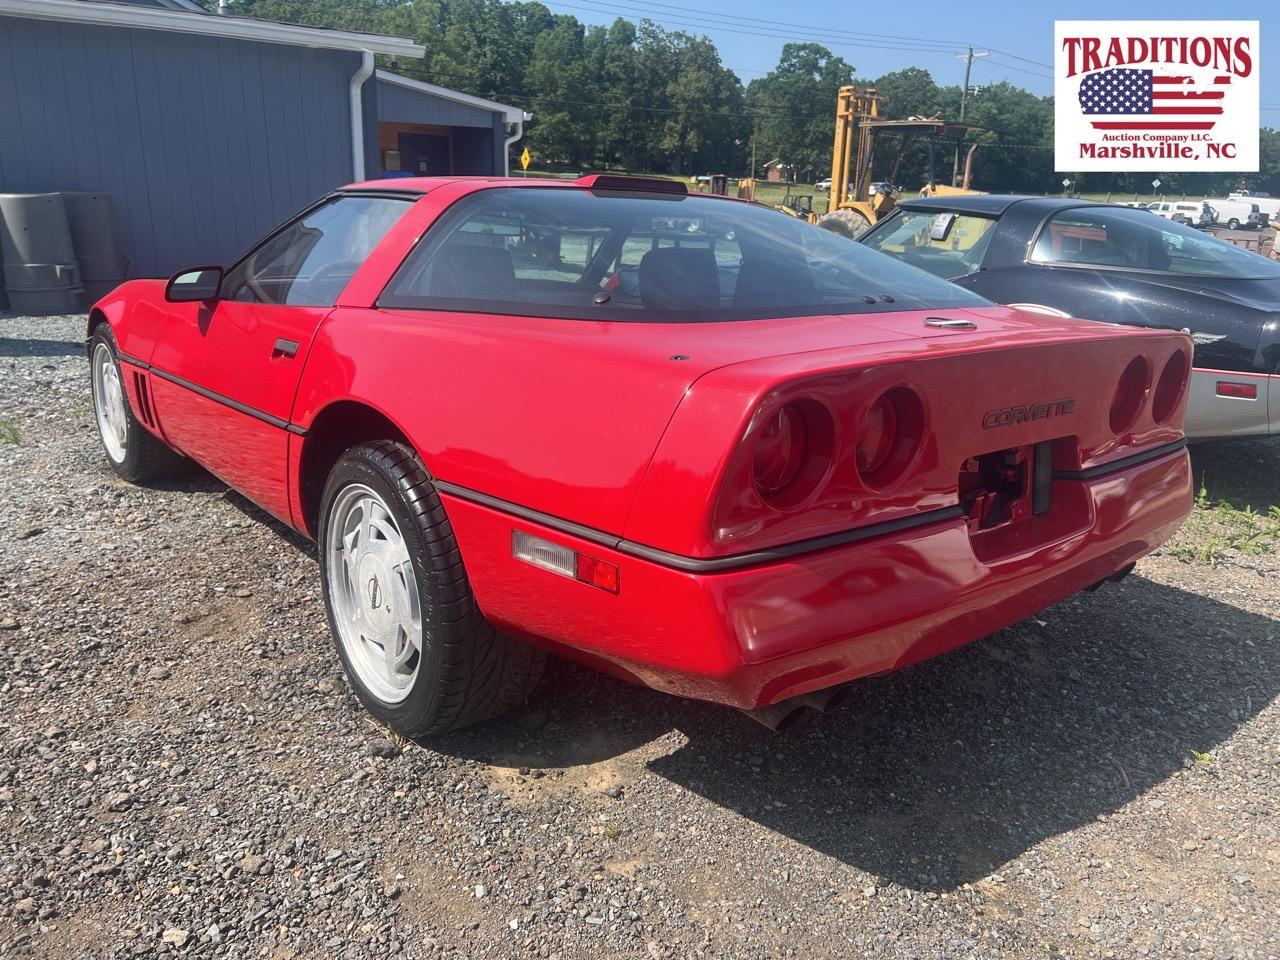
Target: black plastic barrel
37,257
93,237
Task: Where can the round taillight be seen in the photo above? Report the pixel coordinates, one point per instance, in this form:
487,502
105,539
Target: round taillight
794,453
876,436
1173,378
1131,393
890,437
780,451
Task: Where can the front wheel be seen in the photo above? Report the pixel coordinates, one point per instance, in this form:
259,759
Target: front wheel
133,452
1233,224
413,643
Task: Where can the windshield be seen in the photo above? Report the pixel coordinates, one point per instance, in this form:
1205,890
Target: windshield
948,245
636,257
1117,237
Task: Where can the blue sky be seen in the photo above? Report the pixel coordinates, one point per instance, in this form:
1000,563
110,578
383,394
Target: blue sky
750,33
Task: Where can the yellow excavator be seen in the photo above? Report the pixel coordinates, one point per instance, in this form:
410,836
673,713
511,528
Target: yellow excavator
856,198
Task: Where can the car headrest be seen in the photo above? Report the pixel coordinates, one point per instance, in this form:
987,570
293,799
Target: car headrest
781,280
472,272
680,278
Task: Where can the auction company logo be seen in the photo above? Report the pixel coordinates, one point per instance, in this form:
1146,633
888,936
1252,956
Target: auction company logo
1156,95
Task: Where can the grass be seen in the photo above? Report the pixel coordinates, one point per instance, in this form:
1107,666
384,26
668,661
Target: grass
1218,528
9,432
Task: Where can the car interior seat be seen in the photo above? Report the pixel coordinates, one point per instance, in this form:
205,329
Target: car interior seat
471,272
680,278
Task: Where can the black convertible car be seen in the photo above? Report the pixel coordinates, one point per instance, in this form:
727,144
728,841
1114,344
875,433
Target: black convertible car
1118,265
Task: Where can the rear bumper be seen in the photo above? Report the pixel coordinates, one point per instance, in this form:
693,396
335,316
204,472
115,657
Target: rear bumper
754,636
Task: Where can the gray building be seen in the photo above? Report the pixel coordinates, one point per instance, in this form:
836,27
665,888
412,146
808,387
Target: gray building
207,130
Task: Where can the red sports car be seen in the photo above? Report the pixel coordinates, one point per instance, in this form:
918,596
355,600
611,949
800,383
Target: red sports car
687,439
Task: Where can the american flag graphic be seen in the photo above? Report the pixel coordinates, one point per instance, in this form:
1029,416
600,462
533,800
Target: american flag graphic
1146,100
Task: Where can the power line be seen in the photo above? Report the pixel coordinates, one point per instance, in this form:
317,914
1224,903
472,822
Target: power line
718,17
698,24
918,45
852,37
1010,66
1005,53
442,76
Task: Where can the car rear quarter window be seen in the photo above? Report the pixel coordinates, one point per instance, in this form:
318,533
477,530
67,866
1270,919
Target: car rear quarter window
605,255
1124,239
947,244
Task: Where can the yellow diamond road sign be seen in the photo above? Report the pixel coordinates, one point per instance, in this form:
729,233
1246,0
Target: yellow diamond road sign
524,159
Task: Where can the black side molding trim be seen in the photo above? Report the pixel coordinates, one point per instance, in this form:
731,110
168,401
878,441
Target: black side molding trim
589,534
787,550
133,361
700,564
228,402
1114,466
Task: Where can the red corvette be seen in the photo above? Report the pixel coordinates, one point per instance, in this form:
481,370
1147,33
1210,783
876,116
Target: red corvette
687,439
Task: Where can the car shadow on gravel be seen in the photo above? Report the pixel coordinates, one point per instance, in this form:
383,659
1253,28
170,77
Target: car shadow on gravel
937,775
40,348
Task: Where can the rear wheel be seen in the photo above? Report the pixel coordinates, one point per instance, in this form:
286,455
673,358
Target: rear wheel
413,643
133,452
1233,224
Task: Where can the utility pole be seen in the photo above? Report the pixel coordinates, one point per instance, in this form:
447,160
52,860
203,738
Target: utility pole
968,59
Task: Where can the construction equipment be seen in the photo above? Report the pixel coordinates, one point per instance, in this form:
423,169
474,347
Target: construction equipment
799,205
852,199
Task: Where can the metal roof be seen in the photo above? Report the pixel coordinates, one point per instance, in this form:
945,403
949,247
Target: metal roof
182,21
510,113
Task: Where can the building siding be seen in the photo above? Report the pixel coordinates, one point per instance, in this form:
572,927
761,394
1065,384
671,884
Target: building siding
203,143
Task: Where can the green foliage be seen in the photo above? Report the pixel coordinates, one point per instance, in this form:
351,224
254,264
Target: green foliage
8,432
1219,528
794,105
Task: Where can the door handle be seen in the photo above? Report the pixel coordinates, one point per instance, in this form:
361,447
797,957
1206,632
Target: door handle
284,348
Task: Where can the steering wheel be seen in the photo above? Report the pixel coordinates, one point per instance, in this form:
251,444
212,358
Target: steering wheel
339,268
338,273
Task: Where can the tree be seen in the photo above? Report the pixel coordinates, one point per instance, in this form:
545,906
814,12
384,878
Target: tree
612,57
556,78
1016,155
795,105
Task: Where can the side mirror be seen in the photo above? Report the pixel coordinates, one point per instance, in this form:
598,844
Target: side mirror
194,285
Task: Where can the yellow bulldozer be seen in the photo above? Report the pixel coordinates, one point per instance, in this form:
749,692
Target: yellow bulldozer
856,199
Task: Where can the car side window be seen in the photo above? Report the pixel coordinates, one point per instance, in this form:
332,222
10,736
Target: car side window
310,261
947,244
1117,237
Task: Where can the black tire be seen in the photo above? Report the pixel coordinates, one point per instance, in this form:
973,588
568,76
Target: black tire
146,458
1233,224
468,671
846,222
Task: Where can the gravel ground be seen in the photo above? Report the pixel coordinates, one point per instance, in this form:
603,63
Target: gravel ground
184,772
